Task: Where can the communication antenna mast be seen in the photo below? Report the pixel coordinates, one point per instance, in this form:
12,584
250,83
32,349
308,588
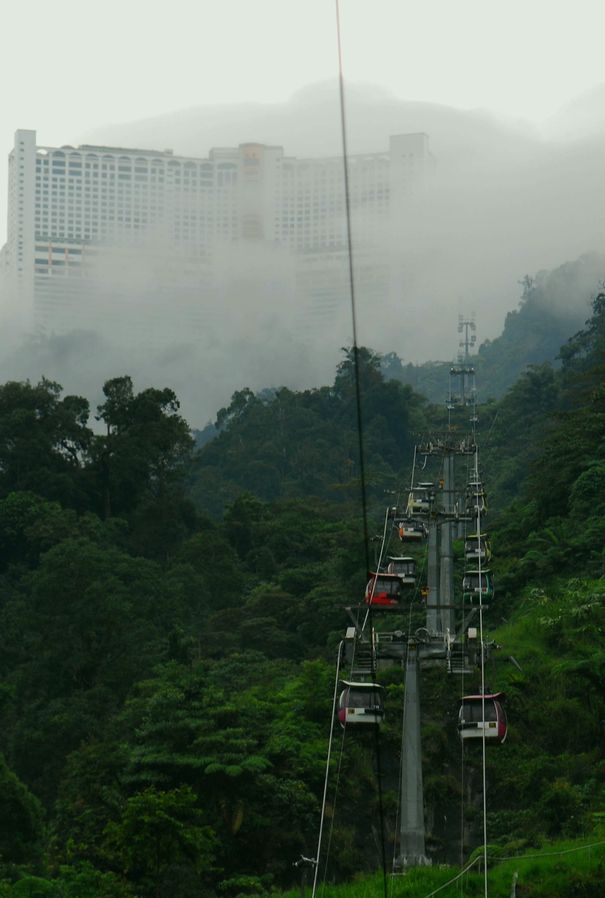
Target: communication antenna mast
462,373
468,328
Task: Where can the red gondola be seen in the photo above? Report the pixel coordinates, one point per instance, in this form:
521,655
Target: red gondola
361,704
384,590
483,715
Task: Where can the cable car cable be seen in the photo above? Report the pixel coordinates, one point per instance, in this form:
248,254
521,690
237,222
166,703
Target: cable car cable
360,441
482,647
462,770
327,773
362,474
334,804
462,691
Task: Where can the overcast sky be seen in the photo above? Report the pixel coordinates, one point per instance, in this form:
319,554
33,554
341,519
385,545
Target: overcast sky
70,66
70,69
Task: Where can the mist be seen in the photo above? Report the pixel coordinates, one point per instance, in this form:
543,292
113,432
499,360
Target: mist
504,200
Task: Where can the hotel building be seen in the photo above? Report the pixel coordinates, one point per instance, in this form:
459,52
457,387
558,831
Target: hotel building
109,238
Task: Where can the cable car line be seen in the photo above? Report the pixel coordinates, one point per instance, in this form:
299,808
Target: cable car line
347,195
360,703
360,429
481,643
327,773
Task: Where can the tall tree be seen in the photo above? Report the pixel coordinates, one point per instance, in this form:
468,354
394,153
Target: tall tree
43,440
144,447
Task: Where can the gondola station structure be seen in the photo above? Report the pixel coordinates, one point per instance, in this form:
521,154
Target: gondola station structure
433,514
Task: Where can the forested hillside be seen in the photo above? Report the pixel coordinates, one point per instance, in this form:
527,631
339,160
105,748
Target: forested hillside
552,306
292,445
169,620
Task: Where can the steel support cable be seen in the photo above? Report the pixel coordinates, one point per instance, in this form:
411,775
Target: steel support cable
512,857
327,773
413,468
357,381
523,857
339,768
462,770
483,755
489,433
453,879
345,155
334,803
385,541
462,767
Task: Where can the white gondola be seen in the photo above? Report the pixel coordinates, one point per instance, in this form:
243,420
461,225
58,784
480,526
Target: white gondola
477,548
404,567
476,586
420,498
483,715
361,704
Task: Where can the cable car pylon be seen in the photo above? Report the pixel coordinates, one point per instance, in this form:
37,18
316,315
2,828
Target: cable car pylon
412,847
439,641
434,514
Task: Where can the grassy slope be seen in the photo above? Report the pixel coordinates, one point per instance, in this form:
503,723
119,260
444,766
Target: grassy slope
561,869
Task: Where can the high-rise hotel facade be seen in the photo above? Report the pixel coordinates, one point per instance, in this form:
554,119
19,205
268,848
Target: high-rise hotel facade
107,237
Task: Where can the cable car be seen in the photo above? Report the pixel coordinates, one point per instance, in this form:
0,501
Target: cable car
477,586
483,714
361,704
412,531
420,498
477,548
384,590
404,567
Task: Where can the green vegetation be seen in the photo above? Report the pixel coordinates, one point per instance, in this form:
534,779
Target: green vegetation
169,620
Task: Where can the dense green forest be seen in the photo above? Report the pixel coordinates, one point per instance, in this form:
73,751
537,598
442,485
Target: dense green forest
169,618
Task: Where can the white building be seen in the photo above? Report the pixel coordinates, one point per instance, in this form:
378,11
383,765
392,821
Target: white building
106,238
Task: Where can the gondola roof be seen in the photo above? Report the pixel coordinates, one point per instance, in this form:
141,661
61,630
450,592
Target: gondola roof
493,696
